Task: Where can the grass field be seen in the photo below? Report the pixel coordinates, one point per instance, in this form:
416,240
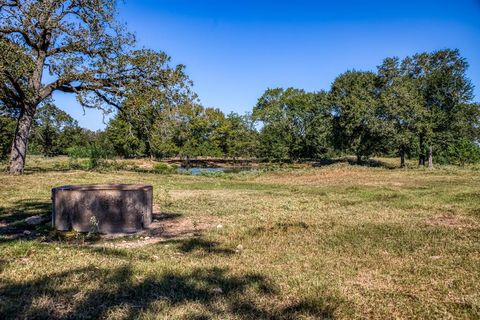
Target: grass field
338,241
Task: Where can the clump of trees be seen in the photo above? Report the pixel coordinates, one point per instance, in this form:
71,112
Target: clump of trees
188,130
295,124
421,106
7,129
427,100
54,132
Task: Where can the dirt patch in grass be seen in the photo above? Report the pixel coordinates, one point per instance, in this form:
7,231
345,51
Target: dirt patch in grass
165,226
369,280
168,225
451,221
339,174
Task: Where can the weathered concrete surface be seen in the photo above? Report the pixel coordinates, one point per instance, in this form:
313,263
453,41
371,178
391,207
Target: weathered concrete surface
115,208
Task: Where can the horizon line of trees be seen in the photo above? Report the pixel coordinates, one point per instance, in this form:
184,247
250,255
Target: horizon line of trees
421,106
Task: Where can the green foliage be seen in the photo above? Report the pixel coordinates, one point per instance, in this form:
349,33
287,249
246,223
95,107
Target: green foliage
241,137
15,64
125,140
151,115
356,111
96,157
78,152
87,52
53,131
296,124
427,99
164,168
7,130
163,128
401,109
95,153
406,108
204,134
460,153
75,153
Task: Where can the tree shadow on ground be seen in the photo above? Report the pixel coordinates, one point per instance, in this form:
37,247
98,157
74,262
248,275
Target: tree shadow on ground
201,293
199,244
12,220
24,209
29,170
162,216
372,163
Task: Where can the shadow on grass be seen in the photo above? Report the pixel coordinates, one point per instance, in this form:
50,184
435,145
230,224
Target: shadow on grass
24,209
33,169
198,244
372,163
200,293
164,216
12,220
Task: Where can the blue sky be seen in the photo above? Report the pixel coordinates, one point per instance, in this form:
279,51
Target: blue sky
234,50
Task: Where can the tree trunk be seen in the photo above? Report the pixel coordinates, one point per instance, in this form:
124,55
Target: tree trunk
421,157
421,160
430,157
402,158
19,146
359,159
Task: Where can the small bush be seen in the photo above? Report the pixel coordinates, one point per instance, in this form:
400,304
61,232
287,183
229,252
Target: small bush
117,165
94,159
217,174
164,168
75,164
461,152
76,152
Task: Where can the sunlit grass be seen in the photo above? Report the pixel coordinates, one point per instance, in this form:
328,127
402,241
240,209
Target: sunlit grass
338,241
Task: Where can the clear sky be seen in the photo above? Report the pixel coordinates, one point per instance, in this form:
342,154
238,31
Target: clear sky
235,49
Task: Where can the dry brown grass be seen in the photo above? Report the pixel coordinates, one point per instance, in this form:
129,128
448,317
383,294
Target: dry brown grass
338,241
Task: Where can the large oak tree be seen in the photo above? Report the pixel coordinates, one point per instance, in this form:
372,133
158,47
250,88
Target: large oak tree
295,124
72,46
429,95
357,118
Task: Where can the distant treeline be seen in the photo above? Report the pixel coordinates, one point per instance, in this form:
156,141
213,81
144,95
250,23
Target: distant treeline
421,106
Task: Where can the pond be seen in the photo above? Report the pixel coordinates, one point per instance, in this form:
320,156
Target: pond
197,171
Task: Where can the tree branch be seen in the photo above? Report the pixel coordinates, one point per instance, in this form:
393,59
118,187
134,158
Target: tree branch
16,85
5,31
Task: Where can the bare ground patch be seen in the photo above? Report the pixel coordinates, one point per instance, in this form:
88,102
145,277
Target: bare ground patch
165,226
452,221
335,175
226,195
